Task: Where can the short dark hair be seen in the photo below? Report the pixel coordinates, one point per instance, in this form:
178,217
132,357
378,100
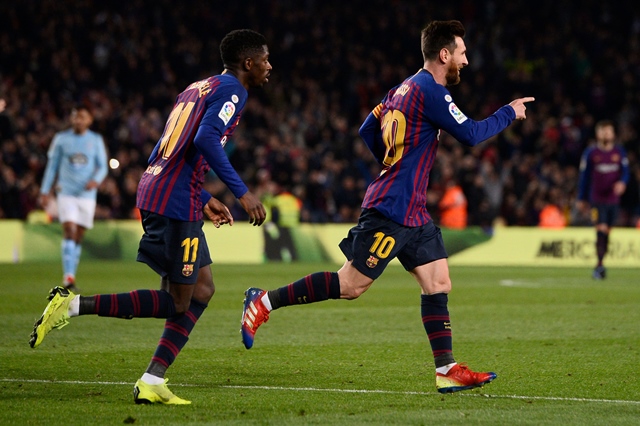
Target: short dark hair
238,45
605,123
80,107
438,35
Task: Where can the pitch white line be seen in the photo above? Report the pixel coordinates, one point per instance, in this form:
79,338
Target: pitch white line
520,283
306,389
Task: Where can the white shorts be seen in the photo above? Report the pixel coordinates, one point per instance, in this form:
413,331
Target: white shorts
76,210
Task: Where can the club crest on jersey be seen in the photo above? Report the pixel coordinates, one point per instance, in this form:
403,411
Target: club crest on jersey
226,112
456,113
187,270
372,262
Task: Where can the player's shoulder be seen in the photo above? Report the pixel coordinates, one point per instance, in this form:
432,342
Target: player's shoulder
218,82
418,84
214,84
229,84
425,79
63,136
221,88
430,88
65,132
227,79
621,149
95,136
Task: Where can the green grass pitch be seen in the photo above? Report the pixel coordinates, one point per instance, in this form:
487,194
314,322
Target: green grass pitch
566,350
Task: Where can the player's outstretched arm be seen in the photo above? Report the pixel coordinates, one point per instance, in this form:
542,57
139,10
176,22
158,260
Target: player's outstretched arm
519,106
217,213
254,208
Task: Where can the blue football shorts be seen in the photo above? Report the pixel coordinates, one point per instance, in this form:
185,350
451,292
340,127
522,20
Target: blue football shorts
606,213
376,240
173,248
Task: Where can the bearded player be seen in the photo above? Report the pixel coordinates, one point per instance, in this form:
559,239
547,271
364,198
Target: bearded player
402,133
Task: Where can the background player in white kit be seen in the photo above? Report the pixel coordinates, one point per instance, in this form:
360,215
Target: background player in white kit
77,164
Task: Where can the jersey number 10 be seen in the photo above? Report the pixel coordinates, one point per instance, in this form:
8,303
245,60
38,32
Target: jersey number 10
394,127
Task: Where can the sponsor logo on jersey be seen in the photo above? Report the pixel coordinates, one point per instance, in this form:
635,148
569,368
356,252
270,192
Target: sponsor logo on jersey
226,112
456,113
187,270
153,170
372,262
78,159
607,167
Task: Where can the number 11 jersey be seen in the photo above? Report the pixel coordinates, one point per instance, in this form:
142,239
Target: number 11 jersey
204,116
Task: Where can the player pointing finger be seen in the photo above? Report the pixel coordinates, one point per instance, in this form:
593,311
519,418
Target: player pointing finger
519,106
394,221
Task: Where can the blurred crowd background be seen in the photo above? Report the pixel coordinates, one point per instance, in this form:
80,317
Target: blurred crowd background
333,61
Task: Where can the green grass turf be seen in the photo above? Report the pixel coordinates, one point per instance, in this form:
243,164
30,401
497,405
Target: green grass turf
566,350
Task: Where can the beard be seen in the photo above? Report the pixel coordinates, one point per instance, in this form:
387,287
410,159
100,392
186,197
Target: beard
452,76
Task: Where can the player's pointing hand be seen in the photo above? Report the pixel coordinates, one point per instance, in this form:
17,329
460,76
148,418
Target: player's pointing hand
519,106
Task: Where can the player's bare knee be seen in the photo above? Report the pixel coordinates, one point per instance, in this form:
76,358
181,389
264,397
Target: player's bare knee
352,282
204,292
204,287
351,292
349,295
181,296
442,285
182,307
439,285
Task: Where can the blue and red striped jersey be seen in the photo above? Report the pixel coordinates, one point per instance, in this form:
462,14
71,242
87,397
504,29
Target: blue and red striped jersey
599,170
202,119
403,133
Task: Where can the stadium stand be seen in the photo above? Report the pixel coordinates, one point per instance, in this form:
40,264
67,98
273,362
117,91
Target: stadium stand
333,61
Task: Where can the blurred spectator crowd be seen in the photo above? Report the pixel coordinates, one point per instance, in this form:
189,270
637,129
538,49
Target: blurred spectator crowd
333,61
